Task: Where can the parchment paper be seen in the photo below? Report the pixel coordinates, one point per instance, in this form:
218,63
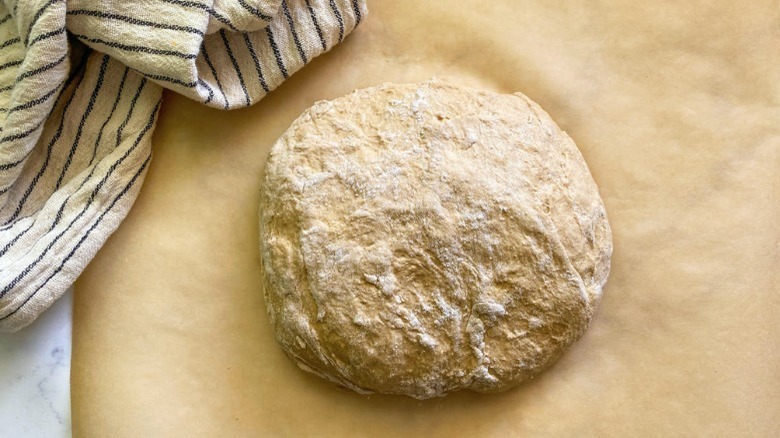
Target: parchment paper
675,106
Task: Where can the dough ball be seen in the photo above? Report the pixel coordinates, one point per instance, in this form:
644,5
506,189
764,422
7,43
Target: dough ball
426,238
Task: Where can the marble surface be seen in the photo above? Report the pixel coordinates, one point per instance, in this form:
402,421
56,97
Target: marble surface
35,375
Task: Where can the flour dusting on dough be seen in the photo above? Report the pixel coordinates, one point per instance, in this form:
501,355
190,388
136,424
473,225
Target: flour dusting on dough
421,239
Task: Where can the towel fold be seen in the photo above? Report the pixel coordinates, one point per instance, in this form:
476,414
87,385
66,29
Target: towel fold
80,88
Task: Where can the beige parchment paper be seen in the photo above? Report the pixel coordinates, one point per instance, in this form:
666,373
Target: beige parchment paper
675,106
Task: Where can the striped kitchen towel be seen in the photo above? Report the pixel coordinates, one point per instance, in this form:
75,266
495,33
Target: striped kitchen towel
80,87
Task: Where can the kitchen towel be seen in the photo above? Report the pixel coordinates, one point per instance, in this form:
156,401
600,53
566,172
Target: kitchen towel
80,88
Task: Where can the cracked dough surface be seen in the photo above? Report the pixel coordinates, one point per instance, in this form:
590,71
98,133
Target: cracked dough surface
425,238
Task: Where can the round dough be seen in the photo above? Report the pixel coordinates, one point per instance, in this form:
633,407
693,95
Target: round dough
420,239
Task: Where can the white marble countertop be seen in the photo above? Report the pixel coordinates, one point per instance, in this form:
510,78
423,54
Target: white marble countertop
35,375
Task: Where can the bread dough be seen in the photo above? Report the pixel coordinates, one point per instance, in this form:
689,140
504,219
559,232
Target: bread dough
425,238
